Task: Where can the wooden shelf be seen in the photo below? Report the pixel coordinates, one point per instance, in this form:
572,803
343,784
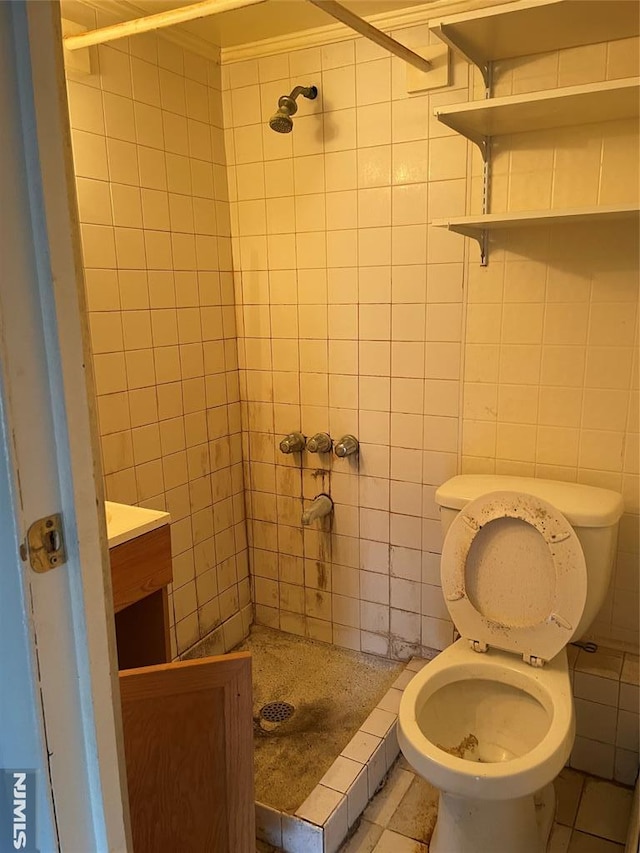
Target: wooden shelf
536,26
524,28
477,227
527,218
595,102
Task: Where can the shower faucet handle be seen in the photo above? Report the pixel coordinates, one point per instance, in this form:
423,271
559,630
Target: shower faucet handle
319,443
292,443
347,446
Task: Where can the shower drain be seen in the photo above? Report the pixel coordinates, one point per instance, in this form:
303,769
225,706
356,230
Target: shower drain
276,712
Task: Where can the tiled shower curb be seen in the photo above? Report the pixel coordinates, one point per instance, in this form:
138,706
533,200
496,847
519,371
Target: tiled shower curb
324,820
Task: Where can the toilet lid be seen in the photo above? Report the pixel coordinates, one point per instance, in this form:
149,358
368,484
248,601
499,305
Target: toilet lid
513,574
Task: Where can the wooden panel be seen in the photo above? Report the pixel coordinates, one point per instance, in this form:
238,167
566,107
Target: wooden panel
142,632
140,566
188,734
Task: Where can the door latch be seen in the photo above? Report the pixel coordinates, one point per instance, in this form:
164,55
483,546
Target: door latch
45,544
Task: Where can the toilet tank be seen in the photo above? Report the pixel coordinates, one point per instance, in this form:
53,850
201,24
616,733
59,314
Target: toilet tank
592,512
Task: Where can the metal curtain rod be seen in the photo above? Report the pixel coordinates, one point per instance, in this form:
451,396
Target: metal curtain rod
154,22
345,16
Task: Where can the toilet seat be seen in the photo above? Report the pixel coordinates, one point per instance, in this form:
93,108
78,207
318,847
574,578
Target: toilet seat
502,780
522,593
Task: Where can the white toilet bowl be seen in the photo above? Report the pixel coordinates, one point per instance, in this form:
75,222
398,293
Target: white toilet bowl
490,721
490,732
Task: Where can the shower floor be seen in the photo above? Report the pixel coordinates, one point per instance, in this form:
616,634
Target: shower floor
333,690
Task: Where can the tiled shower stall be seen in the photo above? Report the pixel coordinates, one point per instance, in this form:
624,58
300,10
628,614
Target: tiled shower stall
242,284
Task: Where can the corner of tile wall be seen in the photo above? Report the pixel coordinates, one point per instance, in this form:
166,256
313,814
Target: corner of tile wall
607,703
150,164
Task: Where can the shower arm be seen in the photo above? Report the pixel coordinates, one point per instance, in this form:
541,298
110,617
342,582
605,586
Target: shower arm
306,91
355,22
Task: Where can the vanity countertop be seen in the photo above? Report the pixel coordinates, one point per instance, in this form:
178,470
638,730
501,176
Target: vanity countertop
125,522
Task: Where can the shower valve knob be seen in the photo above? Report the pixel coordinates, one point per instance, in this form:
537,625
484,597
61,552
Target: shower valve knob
319,443
292,443
347,446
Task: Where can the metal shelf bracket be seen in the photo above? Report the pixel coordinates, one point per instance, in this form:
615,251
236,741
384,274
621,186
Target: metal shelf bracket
486,172
477,138
448,34
480,236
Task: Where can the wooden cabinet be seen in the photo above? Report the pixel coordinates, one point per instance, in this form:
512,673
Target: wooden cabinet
188,737
140,573
188,726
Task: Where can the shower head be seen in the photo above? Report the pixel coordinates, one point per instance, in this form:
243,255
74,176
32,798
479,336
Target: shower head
281,121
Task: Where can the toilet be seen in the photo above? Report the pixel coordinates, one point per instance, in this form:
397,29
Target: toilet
526,565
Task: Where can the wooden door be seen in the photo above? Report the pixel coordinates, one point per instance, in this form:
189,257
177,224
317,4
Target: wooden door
188,736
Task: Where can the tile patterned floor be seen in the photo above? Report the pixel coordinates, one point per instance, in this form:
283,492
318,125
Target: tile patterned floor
592,815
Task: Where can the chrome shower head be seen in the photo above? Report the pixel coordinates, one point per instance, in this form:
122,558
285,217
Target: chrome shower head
281,121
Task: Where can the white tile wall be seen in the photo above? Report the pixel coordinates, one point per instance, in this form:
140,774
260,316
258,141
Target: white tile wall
551,373
148,149
607,704
355,315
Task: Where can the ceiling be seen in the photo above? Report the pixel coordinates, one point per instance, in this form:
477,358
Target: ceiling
274,18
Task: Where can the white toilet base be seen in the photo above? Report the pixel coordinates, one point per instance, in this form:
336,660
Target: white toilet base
545,801
510,826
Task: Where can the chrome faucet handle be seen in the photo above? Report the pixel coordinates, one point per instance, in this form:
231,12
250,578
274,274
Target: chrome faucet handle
347,446
292,443
319,443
